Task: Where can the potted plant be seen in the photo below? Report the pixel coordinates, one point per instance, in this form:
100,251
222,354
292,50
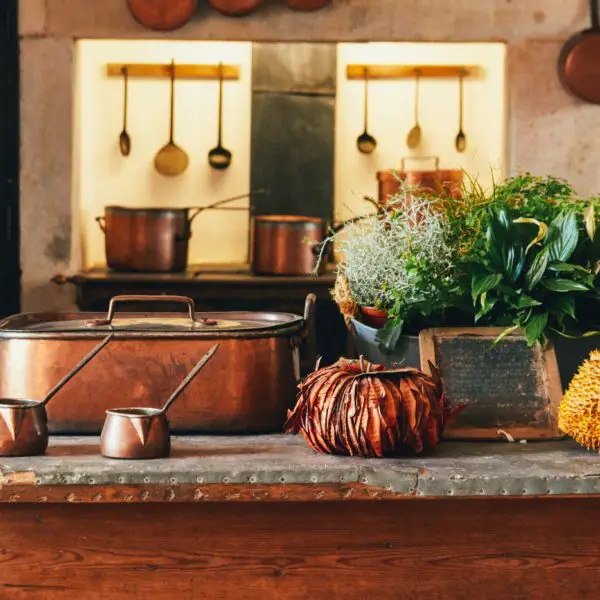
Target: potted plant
524,256
397,275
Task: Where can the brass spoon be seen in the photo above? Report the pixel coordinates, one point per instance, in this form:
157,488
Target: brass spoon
124,139
219,157
365,142
461,138
413,139
171,160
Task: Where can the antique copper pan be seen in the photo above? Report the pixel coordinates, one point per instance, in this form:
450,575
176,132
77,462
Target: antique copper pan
152,239
579,61
162,15
247,388
24,423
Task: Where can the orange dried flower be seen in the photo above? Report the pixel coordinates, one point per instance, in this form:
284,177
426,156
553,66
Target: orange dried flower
358,408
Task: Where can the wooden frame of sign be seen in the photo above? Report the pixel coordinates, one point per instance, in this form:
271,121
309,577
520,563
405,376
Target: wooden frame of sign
509,387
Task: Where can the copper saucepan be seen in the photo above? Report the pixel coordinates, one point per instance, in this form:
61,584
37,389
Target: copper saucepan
138,433
24,423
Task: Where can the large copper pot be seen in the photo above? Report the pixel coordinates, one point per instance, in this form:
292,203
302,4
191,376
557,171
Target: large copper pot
153,240
246,388
283,244
436,181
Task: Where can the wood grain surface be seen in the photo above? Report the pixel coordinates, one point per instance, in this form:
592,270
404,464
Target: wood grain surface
438,550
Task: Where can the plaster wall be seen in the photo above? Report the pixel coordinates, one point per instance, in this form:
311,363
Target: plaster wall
549,132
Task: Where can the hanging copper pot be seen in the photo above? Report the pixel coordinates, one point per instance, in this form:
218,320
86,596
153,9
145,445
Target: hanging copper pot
236,8
162,15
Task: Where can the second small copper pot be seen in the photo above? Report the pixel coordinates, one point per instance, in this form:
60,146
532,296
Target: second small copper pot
138,433
283,244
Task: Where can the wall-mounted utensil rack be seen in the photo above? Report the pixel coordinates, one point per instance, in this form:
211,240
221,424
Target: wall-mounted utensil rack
410,71
230,72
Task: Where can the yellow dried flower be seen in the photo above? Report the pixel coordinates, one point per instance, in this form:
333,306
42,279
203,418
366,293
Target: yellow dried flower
579,411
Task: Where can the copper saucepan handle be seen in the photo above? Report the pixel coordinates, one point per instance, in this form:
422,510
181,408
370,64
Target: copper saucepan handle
435,160
102,223
112,307
198,209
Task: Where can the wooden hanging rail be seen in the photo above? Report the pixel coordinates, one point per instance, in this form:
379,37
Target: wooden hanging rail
230,72
409,71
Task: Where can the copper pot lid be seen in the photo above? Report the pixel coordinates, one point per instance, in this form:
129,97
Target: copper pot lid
151,322
235,323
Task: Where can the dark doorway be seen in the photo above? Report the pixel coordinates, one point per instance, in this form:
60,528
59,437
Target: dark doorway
10,273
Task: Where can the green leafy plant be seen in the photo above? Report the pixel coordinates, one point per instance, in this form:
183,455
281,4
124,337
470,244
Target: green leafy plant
524,255
527,278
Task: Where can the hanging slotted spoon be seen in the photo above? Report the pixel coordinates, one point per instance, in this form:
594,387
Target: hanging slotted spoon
171,160
461,138
413,139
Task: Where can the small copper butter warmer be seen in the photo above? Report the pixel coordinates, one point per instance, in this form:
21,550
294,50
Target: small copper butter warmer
138,433
24,423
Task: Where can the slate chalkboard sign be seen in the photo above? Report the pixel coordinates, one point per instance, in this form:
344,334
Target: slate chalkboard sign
508,387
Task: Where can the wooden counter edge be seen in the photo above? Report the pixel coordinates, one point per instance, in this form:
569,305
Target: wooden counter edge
194,493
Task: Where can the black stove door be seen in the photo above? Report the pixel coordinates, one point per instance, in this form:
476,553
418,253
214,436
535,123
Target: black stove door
10,273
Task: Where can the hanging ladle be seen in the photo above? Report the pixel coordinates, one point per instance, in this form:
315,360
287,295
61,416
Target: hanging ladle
124,138
24,423
219,157
171,160
461,138
137,433
365,142
413,139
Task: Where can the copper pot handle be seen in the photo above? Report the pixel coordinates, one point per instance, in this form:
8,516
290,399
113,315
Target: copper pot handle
102,222
309,313
435,159
117,299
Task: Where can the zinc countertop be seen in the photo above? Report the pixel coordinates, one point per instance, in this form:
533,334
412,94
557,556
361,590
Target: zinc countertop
283,468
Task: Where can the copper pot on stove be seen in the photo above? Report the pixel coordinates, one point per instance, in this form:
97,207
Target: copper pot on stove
436,181
153,240
283,244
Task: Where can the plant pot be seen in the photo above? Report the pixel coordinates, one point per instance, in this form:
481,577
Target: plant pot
373,317
406,353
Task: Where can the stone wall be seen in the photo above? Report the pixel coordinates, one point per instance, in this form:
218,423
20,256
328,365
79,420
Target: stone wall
550,132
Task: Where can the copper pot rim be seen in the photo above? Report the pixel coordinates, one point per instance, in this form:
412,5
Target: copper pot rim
135,412
19,403
288,220
149,211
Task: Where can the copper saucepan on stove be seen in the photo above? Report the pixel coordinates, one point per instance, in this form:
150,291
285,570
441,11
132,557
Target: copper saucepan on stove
153,240
24,423
283,244
138,433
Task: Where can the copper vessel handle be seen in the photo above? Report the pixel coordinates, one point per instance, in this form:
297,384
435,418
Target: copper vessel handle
435,159
309,312
82,363
199,366
118,299
102,222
